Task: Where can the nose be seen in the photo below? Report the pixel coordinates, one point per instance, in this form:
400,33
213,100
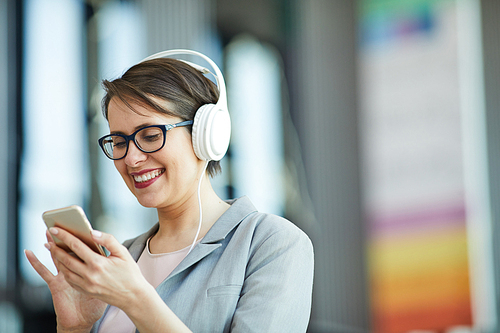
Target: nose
134,155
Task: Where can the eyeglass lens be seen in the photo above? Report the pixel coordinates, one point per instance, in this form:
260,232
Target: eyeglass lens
148,139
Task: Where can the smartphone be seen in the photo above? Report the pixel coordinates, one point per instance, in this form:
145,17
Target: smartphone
73,220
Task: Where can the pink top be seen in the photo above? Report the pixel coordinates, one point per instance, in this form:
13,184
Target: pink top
155,268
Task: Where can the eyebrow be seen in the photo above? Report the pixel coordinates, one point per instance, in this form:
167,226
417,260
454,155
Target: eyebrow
135,128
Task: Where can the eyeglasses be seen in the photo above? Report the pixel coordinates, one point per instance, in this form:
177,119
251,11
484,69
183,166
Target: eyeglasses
148,139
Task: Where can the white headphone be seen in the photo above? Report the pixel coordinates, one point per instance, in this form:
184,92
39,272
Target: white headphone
212,124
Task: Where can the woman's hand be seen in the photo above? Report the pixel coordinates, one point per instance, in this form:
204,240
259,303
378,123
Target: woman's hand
115,280
75,311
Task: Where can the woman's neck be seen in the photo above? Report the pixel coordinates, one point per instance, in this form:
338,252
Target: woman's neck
178,226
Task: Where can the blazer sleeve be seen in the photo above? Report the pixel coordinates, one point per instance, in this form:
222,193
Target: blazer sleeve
276,295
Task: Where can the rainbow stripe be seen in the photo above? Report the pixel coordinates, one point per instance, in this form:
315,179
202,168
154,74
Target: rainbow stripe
419,272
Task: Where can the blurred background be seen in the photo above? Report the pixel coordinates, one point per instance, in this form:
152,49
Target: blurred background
373,125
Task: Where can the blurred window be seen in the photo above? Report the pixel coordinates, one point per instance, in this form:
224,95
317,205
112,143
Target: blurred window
54,169
254,75
121,44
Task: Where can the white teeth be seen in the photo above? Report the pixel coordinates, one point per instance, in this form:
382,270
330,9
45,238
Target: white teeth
147,176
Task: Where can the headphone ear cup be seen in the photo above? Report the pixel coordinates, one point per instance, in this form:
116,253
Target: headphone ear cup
211,132
197,134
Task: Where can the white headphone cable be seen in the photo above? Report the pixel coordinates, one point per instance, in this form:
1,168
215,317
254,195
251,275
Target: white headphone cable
199,208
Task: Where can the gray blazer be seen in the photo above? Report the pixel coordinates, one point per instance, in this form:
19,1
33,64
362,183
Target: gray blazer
252,272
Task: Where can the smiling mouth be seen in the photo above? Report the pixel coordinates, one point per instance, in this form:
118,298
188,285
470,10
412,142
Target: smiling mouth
148,176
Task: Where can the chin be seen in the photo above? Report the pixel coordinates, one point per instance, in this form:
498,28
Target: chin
147,203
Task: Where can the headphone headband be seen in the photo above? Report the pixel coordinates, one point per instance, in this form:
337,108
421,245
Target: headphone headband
221,85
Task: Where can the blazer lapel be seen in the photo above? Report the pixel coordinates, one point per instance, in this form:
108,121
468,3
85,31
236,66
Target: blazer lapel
199,252
238,211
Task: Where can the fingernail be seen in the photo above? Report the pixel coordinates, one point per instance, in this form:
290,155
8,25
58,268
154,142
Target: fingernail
96,233
53,231
47,246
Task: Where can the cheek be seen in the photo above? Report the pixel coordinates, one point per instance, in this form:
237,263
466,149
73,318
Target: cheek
180,149
122,169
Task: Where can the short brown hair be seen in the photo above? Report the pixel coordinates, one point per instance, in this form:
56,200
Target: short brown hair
167,79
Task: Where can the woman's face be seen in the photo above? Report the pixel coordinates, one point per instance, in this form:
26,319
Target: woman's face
172,172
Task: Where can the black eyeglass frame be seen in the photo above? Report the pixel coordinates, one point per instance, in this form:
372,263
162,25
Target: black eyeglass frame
131,137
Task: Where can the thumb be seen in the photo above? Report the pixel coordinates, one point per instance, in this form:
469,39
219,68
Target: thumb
109,242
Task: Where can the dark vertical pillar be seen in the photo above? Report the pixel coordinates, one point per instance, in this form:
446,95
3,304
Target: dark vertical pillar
322,72
490,11
10,71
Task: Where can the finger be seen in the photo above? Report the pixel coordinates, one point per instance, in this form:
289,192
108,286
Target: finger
51,243
74,279
53,246
49,236
71,261
74,243
40,268
110,243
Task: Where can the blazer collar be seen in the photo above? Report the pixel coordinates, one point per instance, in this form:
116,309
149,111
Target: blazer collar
239,210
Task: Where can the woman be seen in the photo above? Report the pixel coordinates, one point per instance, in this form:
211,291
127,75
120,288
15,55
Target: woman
207,265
